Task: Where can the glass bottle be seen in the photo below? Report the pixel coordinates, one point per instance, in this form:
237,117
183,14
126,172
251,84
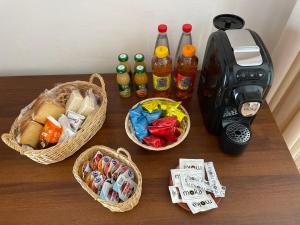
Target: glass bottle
186,71
139,60
141,81
161,72
162,38
123,80
123,60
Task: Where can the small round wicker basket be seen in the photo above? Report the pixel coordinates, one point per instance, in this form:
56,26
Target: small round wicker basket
123,156
185,125
62,150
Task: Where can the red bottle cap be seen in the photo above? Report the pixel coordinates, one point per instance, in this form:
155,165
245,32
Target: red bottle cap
187,27
162,28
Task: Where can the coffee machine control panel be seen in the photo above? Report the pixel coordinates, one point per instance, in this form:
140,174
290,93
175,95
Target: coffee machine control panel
243,75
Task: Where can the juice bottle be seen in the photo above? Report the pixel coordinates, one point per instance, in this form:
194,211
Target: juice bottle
123,60
186,72
139,60
123,80
161,71
185,39
141,81
162,38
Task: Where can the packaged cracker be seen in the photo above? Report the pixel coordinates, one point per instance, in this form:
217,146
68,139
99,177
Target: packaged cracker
97,157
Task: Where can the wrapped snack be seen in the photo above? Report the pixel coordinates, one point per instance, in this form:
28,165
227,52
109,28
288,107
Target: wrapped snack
152,116
97,157
88,104
152,105
175,194
128,173
106,190
202,205
90,178
51,132
121,169
165,105
66,128
140,128
195,164
135,113
46,107
103,162
154,141
112,166
98,183
175,112
86,169
74,101
127,189
169,121
169,133
29,133
114,197
76,120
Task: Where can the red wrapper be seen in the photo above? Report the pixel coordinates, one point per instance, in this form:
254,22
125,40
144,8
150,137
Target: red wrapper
162,131
154,141
169,121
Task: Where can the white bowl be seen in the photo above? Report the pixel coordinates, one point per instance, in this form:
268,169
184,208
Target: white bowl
185,125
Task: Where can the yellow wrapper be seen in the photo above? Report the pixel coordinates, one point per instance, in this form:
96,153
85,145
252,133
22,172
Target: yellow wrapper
151,106
176,112
164,105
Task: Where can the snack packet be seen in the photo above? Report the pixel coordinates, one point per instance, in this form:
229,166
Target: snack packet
175,194
152,105
86,169
101,164
218,189
76,120
169,121
51,132
106,190
66,128
97,157
196,164
152,116
202,205
154,141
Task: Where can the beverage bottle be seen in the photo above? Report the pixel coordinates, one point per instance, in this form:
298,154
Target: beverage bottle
186,71
141,81
139,60
123,60
123,80
161,71
185,39
162,38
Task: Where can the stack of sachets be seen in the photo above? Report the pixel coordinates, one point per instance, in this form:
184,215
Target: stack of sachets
191,187
156,122
110,179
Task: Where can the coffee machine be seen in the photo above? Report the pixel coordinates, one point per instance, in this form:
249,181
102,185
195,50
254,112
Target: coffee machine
236,75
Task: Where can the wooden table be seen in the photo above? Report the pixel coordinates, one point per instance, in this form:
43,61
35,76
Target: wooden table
263,185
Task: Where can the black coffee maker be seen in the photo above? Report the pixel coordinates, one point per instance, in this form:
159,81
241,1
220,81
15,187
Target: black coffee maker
236,75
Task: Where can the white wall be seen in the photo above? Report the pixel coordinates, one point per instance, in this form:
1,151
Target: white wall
81,36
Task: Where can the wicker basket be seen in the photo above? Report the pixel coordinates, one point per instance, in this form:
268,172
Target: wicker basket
123,156
67,148
185,125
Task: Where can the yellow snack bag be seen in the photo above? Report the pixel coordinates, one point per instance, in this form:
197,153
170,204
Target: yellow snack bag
150,106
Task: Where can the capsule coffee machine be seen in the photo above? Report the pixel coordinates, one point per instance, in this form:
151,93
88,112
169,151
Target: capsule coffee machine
236,75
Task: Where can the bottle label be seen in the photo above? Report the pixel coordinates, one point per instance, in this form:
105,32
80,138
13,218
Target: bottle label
183,82
141,90
161,83
124,90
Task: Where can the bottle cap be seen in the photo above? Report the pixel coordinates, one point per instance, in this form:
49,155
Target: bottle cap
187,27
121,69
139,57
161,51
123,57
162,28
188,50
140,69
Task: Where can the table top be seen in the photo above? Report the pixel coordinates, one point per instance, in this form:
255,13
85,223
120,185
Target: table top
263,184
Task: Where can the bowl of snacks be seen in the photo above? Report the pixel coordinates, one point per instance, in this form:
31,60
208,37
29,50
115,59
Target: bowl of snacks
157,124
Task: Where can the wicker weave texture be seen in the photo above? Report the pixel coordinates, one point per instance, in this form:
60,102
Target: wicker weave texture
123,156
67,148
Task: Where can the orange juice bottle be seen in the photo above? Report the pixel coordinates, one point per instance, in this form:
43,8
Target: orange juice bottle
186,72
161,71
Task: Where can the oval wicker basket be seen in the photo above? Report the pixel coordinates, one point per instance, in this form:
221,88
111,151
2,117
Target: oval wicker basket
67,148
185,125
123,156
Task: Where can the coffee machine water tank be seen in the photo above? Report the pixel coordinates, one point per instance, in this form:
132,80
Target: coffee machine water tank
236,75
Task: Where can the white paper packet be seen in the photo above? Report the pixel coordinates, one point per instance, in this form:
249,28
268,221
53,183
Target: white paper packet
202,205
175,174
217,188
194,180
195,164
175,194
191,194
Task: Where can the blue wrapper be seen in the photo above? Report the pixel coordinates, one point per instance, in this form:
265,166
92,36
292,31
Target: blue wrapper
135,113
139,122
152,116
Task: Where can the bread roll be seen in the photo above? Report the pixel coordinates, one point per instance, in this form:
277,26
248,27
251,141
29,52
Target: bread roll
47,108
30,133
